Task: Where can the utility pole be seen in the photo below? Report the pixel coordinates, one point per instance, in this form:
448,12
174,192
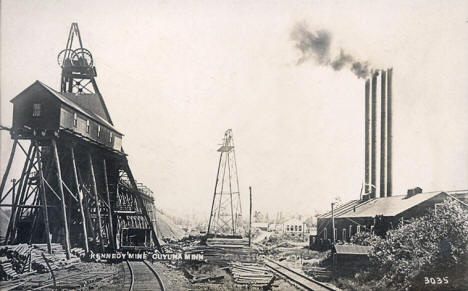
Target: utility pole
250,217
333,223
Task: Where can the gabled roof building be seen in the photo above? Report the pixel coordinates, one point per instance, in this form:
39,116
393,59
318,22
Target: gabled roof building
41,111
379,214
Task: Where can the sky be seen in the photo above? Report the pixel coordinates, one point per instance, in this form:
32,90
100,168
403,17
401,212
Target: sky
176,74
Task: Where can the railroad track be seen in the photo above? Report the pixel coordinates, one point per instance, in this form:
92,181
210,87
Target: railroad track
142,276
303,281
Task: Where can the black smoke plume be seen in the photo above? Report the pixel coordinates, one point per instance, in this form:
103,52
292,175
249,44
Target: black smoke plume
316,45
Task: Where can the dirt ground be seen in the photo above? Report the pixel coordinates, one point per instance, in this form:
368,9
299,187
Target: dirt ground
178,275
173,278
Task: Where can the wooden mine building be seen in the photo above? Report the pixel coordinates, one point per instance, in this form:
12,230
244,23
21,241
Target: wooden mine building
76,187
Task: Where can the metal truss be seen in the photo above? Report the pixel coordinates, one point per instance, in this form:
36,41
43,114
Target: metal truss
226,211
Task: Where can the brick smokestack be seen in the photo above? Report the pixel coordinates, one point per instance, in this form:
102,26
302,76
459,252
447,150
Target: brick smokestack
374,135
389,132
383,138
367,181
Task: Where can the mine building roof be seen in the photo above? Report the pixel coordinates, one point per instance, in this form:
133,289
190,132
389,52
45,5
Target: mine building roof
386,206
91,105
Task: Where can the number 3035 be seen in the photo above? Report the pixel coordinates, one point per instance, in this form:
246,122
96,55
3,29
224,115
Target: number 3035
435,280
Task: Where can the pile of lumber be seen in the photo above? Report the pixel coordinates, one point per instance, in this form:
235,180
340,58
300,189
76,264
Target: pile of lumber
224,250
223,255
56,260
6,269
23,258
227,242
15,260
252,274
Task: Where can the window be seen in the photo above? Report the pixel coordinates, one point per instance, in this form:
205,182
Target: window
300,227
75,120
344,234
87,126
350,231
358,229
110,137
295,228
324,233
36,110
99,131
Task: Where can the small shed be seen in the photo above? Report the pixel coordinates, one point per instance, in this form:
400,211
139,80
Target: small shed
350,255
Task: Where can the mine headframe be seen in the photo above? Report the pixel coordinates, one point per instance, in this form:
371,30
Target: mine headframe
78,70
226,211
76,186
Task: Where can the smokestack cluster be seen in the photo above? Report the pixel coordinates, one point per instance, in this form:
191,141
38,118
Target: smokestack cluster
316,45
370,127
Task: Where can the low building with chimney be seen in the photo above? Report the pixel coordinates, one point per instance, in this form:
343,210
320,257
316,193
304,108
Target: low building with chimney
378,215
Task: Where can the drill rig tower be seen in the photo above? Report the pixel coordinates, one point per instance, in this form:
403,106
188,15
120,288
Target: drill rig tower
226,211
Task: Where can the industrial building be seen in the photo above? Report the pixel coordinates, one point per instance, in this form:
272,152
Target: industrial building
378,215
385,211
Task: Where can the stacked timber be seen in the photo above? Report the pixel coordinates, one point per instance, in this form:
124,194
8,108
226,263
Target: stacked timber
227,242
251,274
56,260
7,271
15,260
23,258
221,250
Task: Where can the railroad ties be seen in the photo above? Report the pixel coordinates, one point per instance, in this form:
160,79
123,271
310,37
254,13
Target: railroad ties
297,278
140,275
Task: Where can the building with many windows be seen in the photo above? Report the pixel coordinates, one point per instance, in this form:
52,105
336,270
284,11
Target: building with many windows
295,228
